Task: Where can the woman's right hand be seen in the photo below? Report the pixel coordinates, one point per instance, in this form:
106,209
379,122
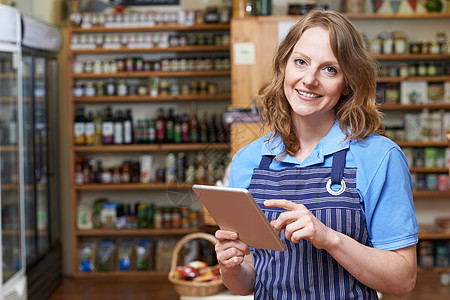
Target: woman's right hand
230,251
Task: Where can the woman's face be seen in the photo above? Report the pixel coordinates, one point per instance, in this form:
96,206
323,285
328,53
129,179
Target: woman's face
313,81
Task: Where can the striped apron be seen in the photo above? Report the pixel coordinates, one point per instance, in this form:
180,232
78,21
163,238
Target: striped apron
303,271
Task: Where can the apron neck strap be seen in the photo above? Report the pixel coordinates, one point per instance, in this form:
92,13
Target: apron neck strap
337,167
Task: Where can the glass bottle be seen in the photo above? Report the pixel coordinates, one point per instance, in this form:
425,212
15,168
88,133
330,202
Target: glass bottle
118,128
204,128
98,120
185,128
170,127
79,127
128,128
213,130
108,127
160,126
177,129
89,129
151,131
193,125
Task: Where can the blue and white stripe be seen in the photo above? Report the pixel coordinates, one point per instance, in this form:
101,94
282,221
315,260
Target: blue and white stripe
303,271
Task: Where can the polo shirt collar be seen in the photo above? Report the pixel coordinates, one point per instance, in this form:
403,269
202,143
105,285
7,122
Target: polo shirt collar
331,143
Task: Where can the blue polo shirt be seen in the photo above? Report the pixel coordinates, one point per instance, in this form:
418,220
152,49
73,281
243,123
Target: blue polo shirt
383,180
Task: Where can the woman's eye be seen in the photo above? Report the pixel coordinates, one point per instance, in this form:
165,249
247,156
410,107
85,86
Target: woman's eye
299,62
331,70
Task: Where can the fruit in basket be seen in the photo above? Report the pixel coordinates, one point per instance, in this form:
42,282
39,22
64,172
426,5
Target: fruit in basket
197,271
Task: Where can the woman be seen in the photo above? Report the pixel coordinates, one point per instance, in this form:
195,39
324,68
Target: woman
336,190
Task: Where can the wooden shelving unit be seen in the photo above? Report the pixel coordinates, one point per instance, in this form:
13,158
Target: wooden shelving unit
79,191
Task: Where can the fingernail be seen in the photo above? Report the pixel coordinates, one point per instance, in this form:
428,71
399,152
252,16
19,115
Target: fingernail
234,236
236,259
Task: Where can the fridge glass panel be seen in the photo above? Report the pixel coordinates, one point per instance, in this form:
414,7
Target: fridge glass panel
9,160
41,155
30,204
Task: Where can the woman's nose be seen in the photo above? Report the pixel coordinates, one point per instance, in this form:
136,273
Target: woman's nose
310,77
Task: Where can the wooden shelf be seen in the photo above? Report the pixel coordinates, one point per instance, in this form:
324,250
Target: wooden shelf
434,235
364,16
412,57
132,186
421,144
123,274
147,98
199,27
152,147
136,232
413,78
431,194
428,170
436,270
136,74
398,106
169,49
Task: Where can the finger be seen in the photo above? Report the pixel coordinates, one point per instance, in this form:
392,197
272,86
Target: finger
222,235
294,231
230,244
281,203
286,218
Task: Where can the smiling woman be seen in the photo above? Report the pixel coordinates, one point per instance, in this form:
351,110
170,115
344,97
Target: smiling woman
336,191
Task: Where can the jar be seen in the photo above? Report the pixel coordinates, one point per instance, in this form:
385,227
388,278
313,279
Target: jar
431,69
403,70
142,90
120,65
122,88
164,87
425,47
399,42
388,44
100,90
375,46
113,66
78,90
97,68
89,91
422,69
415,48
77,67
412,70
434,48
88,67
110,87
106,67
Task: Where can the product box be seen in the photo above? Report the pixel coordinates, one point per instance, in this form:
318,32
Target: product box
413,92
146,162
447,92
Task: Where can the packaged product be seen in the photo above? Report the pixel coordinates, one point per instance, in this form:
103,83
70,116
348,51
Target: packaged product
144,256
87,257
105,256
164,251
125,256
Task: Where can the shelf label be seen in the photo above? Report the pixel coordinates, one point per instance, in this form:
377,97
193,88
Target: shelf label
244,53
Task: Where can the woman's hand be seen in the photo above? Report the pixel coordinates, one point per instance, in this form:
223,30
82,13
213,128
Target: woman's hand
299,223
230,251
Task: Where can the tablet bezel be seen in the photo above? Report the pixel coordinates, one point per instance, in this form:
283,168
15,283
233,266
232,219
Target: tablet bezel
235,209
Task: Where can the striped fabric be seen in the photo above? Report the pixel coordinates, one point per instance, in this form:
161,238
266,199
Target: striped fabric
302,271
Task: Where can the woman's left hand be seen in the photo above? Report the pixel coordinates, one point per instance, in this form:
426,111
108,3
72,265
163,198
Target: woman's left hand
299,223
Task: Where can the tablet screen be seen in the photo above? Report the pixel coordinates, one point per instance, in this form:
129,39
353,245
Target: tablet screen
235,209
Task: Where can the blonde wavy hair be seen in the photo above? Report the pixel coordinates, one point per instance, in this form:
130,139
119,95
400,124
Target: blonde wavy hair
356,112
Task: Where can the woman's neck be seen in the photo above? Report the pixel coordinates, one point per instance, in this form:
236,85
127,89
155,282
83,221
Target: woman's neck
309,132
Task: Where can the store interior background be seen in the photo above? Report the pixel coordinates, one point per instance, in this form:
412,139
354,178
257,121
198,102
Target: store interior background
53,12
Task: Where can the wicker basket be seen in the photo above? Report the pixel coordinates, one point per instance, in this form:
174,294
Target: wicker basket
190,288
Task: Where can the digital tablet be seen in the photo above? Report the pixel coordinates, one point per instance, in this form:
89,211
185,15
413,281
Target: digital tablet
235,209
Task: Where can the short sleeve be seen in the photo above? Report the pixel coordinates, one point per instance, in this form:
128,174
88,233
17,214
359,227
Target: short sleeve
388,204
